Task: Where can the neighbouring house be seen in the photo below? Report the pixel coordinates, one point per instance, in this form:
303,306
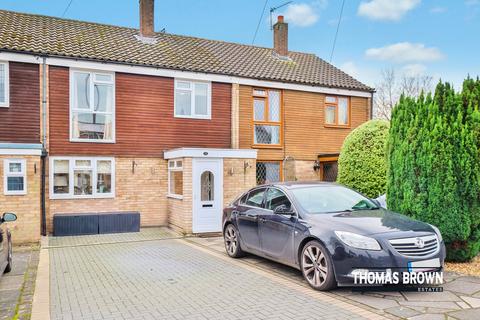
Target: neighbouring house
100,118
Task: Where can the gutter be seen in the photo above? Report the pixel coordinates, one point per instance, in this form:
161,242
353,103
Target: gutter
43,221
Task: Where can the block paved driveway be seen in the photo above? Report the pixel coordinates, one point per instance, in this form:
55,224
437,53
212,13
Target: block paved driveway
147,278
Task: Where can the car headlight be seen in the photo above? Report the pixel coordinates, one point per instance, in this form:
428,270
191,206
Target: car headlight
437,231
358,241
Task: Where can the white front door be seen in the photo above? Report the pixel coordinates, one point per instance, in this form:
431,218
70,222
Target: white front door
207,195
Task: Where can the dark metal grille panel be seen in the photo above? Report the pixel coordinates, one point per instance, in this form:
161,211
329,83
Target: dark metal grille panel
268,172
330,170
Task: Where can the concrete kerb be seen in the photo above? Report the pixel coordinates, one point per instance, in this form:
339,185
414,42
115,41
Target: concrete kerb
41,296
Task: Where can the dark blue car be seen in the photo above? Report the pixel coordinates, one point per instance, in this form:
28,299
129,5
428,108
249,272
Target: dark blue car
329,232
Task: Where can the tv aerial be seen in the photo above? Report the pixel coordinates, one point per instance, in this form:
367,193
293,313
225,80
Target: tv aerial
273,9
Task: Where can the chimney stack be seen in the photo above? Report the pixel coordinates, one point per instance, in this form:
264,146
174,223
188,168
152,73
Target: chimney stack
280,37
146,18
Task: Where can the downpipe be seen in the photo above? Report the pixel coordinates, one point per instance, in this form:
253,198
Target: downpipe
43,222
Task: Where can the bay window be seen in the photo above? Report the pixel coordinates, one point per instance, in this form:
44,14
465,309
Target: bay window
267,117
192,99
92,106
337,111
4,84
82,177
175,179
15,177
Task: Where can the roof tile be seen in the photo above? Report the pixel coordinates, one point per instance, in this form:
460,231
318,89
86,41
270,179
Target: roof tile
85,40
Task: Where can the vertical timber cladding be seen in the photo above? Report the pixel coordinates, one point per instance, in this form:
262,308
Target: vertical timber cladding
306,135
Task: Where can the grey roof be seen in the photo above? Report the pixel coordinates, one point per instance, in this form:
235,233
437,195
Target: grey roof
39,34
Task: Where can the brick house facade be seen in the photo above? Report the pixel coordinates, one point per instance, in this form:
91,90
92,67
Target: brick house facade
173,136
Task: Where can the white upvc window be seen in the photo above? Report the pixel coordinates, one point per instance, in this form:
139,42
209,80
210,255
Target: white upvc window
175,178
193,99
92,106
82,177
4,84
15,177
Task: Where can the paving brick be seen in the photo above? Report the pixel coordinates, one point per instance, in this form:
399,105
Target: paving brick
167,279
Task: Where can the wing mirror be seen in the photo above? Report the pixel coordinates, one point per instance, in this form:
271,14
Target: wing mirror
9,217
284,210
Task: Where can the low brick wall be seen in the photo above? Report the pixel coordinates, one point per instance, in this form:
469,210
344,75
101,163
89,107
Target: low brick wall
27,207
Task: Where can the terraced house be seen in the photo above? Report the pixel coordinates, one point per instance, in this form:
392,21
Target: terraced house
100,119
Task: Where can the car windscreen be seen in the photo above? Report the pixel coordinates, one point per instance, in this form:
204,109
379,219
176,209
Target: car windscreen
328,199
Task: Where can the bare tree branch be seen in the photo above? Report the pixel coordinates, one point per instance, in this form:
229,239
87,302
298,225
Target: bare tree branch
389,90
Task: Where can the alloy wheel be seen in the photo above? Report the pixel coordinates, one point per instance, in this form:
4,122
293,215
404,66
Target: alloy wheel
231,240
314,265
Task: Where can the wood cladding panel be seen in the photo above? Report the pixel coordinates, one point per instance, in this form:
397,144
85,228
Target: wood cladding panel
145,122
305,133
20,122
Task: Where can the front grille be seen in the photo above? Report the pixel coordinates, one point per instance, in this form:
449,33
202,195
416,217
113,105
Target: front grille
412,247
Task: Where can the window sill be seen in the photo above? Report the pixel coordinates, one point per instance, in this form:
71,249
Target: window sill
20,193
70,197
267,146
175,196
4,106
92,141
194,117
337,126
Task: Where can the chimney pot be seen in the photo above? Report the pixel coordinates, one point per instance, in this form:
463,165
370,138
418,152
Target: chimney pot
280,37
146,18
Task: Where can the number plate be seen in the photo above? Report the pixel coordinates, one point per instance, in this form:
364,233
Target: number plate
424,265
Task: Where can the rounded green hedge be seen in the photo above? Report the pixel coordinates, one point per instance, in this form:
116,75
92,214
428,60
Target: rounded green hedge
362,164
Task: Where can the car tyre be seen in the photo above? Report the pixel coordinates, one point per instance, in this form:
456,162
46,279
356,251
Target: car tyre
317,266
232,242
10,255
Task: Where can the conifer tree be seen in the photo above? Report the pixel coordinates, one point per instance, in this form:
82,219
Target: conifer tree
433,171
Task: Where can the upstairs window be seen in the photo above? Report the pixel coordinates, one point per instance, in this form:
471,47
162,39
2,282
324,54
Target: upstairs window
4,84
92,106
192,99
337,111
267,116
15,177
